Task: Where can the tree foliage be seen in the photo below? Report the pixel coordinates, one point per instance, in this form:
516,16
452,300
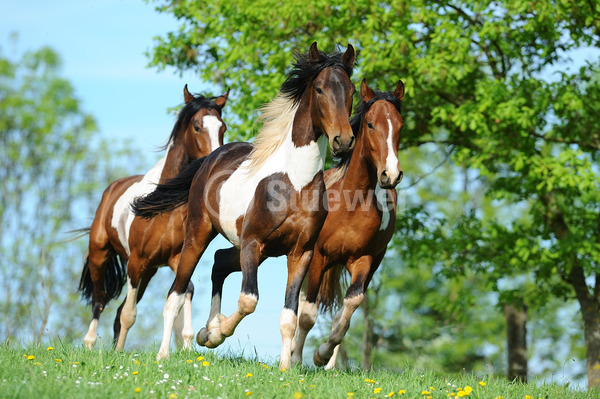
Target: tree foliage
488,85
52,167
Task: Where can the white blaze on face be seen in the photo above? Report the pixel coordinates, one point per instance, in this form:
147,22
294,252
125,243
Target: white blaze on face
122,213
213,125
381,196
391,162
301,164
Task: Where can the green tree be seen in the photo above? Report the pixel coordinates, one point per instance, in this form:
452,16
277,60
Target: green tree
53,166
486,82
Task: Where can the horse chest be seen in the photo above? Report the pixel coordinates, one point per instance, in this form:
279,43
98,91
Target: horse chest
122,216
291,166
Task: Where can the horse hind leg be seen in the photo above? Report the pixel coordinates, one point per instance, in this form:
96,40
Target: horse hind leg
182,327
226,262
92,286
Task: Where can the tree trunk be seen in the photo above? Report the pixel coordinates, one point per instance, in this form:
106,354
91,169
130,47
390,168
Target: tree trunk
367,341
516,336
590,311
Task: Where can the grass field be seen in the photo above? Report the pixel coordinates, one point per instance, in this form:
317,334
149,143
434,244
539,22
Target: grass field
64,371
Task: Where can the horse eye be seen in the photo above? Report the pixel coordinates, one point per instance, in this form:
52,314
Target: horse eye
370,125
318,89
196,128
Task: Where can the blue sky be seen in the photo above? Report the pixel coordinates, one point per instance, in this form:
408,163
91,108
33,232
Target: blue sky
102,45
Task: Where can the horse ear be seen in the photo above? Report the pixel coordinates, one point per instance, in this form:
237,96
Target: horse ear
187,96
399,92
313,53
366,93
349,56
220,101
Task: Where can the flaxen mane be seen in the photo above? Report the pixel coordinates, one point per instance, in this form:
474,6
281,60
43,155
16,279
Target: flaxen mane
278,115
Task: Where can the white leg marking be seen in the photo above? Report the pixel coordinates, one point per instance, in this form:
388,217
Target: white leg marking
306,320
287,326
331,363
128,314
213,125
172,309
188,329
90,338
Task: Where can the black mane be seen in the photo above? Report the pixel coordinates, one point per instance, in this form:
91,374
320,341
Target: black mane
305,70
187,112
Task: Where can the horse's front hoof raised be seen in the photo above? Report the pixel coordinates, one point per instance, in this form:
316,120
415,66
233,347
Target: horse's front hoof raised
202,336
318,360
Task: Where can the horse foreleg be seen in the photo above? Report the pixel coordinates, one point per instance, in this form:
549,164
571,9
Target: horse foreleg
126,315
196,240
250,256
226,262
184,331
96,263
361,271
297,268
307,308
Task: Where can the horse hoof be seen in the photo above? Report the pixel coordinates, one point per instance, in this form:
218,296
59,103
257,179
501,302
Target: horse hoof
318,360
202,337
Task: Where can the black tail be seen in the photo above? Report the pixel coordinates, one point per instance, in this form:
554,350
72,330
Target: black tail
114,279
168,195
330,291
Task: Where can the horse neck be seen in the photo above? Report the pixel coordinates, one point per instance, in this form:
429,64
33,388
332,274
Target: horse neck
360,174
176,160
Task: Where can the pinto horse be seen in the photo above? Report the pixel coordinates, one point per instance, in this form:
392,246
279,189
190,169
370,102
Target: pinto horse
360,221
119,240
253,193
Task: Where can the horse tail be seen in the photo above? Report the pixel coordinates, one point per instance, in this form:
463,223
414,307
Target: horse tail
330,291
169,195
114,278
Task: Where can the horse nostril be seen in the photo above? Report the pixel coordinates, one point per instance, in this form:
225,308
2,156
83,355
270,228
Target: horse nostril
352,141
336,140
384,173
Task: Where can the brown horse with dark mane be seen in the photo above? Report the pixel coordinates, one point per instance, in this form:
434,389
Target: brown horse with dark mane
266,197
122,243
360,221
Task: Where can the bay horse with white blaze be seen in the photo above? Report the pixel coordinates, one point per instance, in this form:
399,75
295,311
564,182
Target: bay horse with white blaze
253,193
360,220
119,240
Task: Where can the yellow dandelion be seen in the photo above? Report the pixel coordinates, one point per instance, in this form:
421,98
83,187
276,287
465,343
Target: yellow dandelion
402,392
389,395
431,388
248,375
189,361
135,372
265,366
298,395
135,361
451,394
482,383
58,360
30,357
50,348
205,363
248,393
350,394
173,396
377,390
461,394
138,390
301,380
37,363
369,381
499,397
312,386
200,358
528,397
425,393
468,389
